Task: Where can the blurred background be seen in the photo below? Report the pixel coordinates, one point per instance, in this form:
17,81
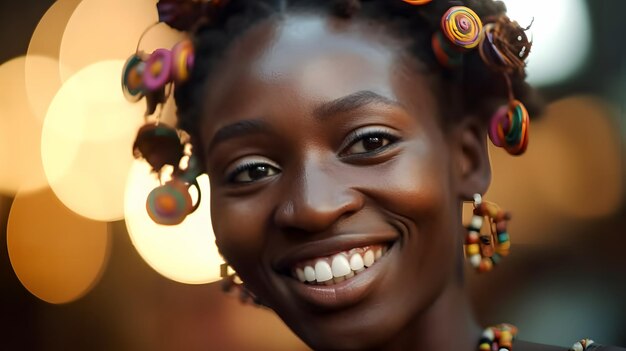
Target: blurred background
83,268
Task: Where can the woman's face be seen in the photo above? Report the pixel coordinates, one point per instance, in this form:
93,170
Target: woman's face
323,143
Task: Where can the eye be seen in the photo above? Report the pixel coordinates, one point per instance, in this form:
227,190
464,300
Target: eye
252,171
368,141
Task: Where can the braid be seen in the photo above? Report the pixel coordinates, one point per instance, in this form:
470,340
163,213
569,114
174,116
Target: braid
473,83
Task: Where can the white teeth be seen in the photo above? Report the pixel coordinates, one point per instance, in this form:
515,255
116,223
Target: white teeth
356,262
323,271
340,266
368,258
309,274
300,275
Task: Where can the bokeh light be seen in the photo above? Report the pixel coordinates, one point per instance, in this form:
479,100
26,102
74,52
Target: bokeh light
42,83
561,35
571,168
580,157
57,255
20,130
109,30
87,141
184,253
46,39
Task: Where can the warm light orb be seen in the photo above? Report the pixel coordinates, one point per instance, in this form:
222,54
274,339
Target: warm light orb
581,157
570,173
87,141
57,255
109,30
561,36
46,39
184,253
43,81
20,131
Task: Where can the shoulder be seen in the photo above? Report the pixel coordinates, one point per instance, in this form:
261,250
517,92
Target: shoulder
605,348
529,346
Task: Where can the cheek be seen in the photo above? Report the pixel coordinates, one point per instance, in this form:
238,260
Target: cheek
415,184
239,226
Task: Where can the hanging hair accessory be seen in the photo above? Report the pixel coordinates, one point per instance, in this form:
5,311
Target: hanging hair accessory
132,81
509,128
506,46
153,77
504,49
486,250
461,30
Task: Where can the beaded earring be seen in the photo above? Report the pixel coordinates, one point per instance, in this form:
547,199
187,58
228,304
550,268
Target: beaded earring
486,250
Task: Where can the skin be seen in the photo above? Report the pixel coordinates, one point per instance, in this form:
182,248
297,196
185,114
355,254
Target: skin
313,180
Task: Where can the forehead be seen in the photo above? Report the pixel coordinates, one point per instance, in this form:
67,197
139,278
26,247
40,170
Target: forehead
307,60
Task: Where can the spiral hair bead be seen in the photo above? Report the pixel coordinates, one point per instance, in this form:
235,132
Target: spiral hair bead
445,53
417,2
183,60
169,204
486,251
462,27
158,69
132,81
509,128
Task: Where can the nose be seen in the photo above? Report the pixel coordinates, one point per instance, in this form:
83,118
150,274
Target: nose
317,198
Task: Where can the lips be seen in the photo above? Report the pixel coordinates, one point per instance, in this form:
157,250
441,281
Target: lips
339,271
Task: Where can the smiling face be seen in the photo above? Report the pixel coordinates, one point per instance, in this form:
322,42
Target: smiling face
335,191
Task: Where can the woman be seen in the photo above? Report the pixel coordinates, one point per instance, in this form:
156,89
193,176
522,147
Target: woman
341,139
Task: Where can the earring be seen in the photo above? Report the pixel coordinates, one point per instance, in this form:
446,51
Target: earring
486,250
231,283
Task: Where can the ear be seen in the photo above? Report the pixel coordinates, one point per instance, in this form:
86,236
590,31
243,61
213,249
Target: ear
470,157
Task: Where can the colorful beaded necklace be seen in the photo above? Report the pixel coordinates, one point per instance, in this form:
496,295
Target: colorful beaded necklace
500,338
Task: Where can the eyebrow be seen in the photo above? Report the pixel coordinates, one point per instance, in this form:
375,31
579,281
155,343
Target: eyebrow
352,102
239,129
343,104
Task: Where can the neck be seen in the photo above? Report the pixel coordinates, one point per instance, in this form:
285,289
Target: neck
447,325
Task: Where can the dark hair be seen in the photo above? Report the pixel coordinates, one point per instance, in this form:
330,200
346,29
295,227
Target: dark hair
474,86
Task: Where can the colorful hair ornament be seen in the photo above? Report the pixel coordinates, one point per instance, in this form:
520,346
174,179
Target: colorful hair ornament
509,128
181,14
170,204
417,2
506,46
132,81
461,30
153,77
504,49
462,27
